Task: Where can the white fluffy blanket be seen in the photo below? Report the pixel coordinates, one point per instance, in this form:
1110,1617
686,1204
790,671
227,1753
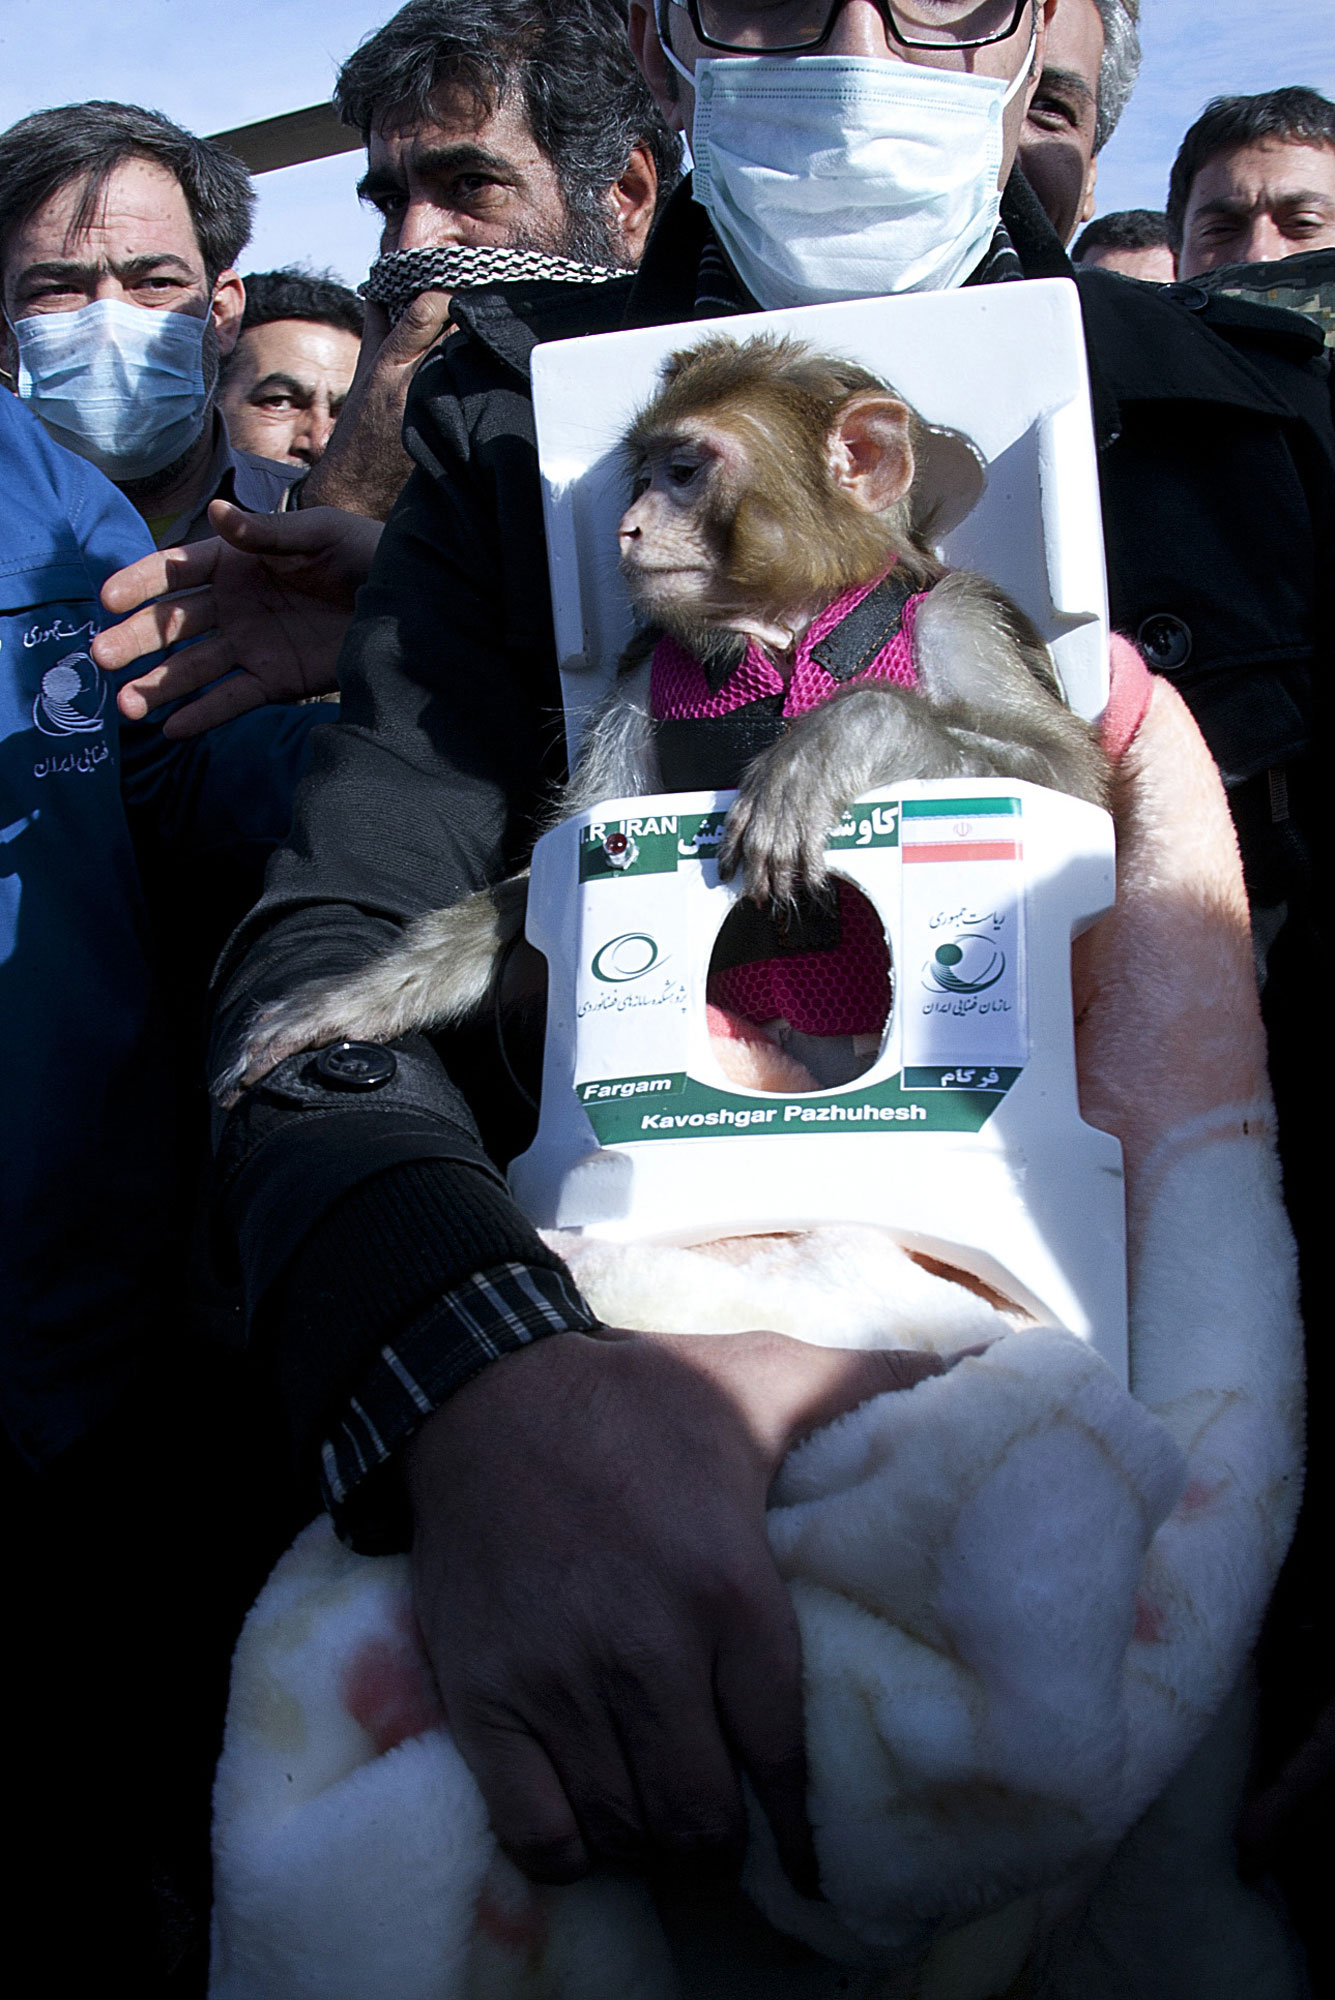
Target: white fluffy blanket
1024,1593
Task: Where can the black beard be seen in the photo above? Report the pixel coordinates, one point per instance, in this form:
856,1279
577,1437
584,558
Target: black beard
589,237
586,238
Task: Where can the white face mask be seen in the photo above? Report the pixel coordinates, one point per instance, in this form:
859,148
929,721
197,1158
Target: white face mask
120,385
845,177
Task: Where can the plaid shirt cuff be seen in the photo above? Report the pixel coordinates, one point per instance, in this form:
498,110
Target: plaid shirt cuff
492,1314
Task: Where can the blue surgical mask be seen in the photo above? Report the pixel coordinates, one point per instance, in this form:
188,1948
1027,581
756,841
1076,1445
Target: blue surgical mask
845,177
121,385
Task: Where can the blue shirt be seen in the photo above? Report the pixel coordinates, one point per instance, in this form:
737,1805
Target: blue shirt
260,485
89,1154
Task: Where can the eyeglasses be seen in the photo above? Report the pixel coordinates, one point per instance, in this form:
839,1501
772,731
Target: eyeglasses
785,27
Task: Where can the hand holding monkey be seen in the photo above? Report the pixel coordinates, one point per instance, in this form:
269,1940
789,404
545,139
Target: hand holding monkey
768,483
679,1512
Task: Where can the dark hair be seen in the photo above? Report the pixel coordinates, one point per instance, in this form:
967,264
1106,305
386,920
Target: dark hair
1124,229
296,294
1295,114
567,61
87,142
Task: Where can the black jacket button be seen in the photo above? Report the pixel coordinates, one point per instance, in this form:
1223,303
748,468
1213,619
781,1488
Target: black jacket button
1165,641
356,1066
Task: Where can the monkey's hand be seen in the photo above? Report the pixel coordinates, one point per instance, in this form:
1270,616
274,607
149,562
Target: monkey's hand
797,790
444,969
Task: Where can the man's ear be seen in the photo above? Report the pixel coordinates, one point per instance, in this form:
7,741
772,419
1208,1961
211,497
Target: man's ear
9,346
868,452
1089,203
663,81
226,308
632,200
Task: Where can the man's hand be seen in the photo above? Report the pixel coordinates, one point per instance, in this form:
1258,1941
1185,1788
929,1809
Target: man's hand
611,1639
365,466
610,1636
272,599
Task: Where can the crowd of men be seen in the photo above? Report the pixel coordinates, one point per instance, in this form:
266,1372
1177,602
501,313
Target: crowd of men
340,1305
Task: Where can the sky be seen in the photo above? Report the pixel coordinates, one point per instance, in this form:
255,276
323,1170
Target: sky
211,64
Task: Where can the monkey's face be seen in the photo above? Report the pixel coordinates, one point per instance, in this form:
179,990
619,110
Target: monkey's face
766,480
673,535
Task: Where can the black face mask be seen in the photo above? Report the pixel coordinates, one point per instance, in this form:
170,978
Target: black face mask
400,276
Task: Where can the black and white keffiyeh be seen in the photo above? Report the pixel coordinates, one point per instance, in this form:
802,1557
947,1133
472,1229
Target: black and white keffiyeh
398,278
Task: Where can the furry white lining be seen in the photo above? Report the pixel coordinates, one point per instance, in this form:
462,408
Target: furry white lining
1023,1595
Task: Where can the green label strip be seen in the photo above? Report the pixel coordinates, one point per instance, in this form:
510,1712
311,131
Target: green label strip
660,842
982,1076
959,808
670,1105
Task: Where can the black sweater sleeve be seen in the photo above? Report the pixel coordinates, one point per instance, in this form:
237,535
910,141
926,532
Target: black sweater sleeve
426,788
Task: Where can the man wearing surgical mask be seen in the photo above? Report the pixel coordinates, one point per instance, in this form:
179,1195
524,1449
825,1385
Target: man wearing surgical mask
119,233
585,1513
915,110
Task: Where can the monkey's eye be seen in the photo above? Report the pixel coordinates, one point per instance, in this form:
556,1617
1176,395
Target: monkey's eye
679,472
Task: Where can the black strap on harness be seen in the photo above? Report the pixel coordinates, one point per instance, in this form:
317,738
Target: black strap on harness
855,641
710,752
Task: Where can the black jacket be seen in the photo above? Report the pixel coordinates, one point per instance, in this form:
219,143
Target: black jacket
349,1213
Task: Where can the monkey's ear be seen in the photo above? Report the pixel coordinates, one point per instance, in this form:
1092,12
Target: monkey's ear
869,454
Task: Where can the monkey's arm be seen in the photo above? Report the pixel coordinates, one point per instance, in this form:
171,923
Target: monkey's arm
443,969
446,965
986,706
618,758
984,668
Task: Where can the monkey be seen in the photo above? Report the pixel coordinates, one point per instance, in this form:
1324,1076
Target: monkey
772,497
766,481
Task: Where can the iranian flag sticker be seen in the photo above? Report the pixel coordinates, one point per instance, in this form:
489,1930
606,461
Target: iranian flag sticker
962,987
956,830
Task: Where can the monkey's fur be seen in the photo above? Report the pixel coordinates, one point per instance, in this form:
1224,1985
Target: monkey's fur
773,480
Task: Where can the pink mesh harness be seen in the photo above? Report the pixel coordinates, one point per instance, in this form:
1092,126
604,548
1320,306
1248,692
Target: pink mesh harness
841,992
678,688
845,991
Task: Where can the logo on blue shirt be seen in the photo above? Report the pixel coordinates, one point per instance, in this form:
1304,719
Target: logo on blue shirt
71,698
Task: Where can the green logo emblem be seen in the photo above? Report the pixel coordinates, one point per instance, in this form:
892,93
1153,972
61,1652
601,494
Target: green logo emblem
629,956
968,964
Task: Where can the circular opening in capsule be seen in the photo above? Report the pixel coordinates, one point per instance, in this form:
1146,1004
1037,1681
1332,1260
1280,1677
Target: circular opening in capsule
800,998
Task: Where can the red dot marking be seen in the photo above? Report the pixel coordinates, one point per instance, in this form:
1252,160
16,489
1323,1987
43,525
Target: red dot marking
387,1688
520,1927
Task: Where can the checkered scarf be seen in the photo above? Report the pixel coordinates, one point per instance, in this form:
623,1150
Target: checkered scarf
397,279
